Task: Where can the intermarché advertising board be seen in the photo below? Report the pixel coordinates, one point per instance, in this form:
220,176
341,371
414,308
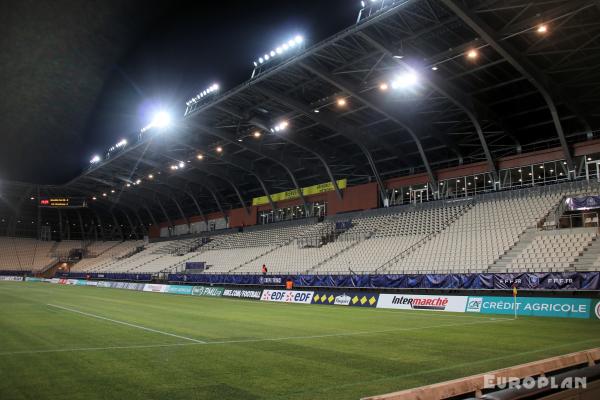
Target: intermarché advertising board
346,298
208,291
423,302
532,306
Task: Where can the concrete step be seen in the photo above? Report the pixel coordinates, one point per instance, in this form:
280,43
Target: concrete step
504,260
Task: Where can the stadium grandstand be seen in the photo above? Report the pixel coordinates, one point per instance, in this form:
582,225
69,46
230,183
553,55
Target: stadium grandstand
438,158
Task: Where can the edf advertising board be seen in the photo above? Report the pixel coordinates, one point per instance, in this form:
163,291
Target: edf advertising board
532,306
287,296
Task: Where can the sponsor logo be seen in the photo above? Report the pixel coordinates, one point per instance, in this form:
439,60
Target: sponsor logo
597,310
346,299
342,300
560,281
149,287
423,302
244,294
11,278
474,304
274,280
207,291
287,296
538,306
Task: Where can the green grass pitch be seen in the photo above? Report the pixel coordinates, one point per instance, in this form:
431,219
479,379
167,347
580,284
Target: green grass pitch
117,344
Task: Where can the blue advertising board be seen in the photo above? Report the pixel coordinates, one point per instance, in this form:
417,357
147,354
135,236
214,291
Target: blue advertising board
180,289
531,306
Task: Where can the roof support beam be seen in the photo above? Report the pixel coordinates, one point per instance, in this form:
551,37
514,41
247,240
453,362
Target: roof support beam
537,78
191,195
464,102
354,92
331,123
305,144
274,156
162,208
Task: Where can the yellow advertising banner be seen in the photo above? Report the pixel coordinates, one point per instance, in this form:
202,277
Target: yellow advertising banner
294,194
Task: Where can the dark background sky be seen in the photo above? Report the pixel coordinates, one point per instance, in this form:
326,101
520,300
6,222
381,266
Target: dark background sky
76,76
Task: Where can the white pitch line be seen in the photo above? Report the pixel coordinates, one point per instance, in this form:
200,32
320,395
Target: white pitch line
239,341
126,323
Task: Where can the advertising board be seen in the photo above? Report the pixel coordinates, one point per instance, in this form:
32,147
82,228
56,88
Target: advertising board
287,296
11,278
180,289
243,294
532,306
152,287
423,302
597,309
359,299
211,291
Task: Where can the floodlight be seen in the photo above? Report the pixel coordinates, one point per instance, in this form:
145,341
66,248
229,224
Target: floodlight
434,68
219,149
542,29
150,176
266,56
128,185
161,119
279,50
174,167
32,198
341,102
272,53
261,60
138,181
95,159
199,156
112,190
298,39
383,87
405,80
94,198
104,194
181,164
257,134
472,54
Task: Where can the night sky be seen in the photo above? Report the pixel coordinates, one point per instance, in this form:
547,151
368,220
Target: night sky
77,76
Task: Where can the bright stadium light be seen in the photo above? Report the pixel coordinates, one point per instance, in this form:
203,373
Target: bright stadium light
405,80
161,119
181,164
96,159
280,127
199,156
203,94
278,52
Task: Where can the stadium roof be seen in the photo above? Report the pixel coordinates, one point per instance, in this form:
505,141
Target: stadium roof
485,79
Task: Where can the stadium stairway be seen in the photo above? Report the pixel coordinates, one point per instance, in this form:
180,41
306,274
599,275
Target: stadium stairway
590,257
502,263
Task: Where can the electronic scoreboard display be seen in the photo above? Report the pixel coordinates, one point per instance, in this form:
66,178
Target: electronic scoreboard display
62,202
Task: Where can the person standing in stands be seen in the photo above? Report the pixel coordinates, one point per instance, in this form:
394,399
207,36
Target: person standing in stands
264,269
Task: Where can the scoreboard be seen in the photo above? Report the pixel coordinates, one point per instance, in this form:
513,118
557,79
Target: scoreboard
62,202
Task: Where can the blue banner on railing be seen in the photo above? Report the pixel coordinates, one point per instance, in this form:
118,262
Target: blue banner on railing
530,281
